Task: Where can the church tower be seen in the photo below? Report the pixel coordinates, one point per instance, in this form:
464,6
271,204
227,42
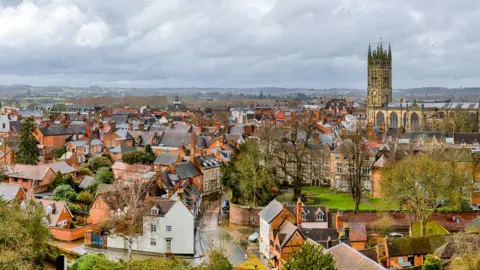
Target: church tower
379,90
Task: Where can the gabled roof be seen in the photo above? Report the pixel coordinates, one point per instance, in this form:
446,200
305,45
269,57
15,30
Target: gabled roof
347,258
87,180
32,172
186,170
55,130
135,168
58,206
166,159
61,166
8,191
381,162
286,231
404,246
175,138
270,211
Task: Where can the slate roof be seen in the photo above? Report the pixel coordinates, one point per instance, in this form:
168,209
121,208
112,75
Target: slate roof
124,134
320,235
79,143
144,137
286,231
474,226
30,113
466,137
166,180
446,251
58,205
87,180
163,205
310,212
404,246
347,258
208,161
270,211
186,170
61,166
32,172
9,191
96,142
166,159
175,138
381,162
55,130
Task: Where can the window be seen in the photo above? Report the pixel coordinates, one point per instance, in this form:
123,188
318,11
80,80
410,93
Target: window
304,216
320,216
15,180
168,245
49,210
153,228
153,242
154,211
339,168
169,228
365,170
367,157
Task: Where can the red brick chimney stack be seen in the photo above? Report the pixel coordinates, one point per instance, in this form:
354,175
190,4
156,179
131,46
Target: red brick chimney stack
299,211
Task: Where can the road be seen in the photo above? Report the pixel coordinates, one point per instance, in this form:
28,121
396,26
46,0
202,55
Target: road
210,236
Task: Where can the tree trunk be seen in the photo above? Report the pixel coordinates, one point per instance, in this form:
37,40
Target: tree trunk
129,248
297,188
356,206
423,224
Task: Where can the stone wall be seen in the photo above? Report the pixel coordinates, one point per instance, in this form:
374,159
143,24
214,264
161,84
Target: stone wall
241,215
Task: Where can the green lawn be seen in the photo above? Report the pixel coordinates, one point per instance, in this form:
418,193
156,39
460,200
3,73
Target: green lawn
342,201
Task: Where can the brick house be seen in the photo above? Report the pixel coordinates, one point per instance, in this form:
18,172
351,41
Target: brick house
58,213
12,192
8,150
286,239
100,207
188,172
210,168
32,178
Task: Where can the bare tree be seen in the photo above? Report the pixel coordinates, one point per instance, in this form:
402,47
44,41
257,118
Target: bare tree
355,155
292,151
126,220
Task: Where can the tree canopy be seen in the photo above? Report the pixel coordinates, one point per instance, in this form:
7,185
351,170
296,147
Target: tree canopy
245,176
28,151
98,162
310,256
422,185
147,156
64,193
23,236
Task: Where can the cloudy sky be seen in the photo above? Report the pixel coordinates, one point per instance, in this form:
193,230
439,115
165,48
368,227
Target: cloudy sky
237,43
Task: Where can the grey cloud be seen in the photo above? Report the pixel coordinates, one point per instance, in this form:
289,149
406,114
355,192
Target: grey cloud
305,43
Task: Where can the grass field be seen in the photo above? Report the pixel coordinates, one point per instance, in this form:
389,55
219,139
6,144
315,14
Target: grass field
342,201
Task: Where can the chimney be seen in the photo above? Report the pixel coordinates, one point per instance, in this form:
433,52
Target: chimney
329,242
113,125
346,231
88,130
299,211
130,125
338,222
141,125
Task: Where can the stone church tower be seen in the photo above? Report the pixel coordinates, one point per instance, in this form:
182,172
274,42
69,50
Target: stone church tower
379,90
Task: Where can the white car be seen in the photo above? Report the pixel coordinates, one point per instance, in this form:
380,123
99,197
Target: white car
253,237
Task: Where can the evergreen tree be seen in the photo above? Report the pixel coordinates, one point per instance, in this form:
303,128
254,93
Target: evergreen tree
28,151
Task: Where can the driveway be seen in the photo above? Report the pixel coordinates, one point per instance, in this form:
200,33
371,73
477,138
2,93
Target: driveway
210,236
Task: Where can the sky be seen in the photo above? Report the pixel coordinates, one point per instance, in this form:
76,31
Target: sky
237,43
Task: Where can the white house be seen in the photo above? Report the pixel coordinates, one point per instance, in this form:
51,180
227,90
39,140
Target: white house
169,228
267,215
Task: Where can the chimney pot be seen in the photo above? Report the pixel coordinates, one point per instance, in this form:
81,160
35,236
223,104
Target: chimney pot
299,211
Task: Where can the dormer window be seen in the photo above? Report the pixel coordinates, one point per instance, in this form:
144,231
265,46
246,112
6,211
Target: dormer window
304,216
50,209
154,211
320,216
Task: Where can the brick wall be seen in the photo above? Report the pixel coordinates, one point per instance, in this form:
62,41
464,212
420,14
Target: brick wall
72,234
239,215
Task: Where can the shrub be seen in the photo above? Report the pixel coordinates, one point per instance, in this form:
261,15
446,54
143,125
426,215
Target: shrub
432,262
64,193
96,261
85,197
98,162
84,170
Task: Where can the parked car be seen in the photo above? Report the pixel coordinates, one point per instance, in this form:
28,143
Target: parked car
226,205
395,235
253,237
